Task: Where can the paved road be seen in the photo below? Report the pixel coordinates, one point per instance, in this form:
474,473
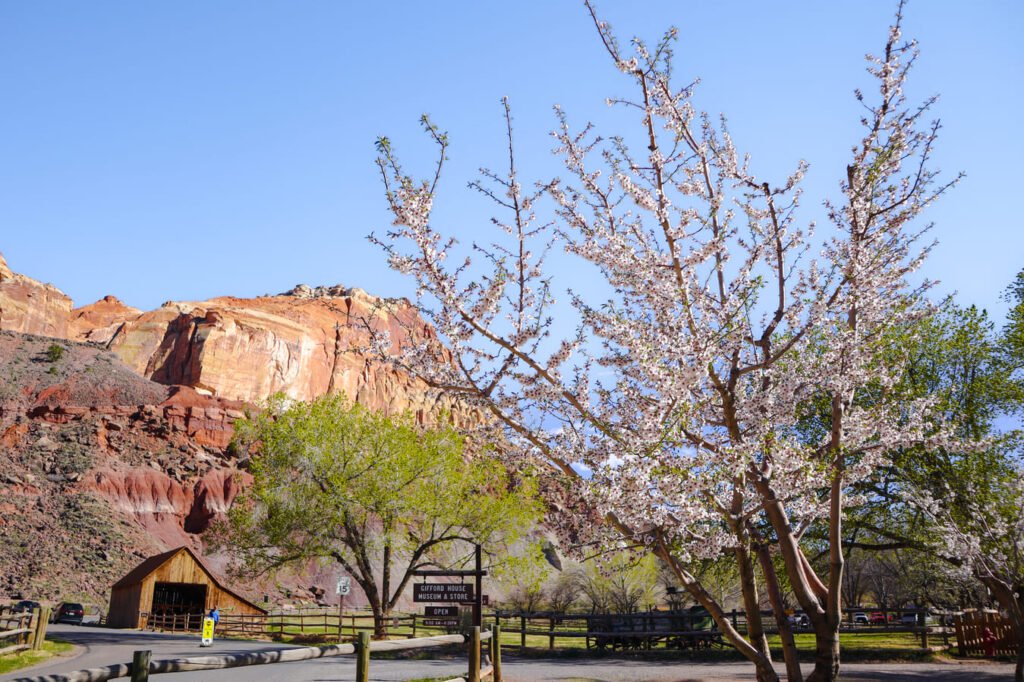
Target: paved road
99,647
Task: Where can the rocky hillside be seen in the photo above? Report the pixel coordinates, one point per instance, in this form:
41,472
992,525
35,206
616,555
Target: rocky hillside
115,422
100,467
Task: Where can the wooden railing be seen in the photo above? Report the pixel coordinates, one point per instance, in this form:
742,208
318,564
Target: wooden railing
683,629
20,631
142,666
288,623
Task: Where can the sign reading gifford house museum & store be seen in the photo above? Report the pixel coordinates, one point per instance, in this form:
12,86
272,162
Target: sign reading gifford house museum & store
444,592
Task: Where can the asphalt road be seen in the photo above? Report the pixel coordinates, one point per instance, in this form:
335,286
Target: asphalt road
98,647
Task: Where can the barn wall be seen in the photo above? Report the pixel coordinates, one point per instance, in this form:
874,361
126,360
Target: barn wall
124,607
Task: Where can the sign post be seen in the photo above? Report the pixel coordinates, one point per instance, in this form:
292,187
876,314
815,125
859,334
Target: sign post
343,588
462,593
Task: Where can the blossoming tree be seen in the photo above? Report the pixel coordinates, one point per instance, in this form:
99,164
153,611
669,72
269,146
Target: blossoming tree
980,533
673,412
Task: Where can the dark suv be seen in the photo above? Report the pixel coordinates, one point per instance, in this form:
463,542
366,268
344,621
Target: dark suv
69,612
25,606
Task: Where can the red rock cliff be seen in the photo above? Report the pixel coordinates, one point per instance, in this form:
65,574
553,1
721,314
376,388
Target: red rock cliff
304,343
31,307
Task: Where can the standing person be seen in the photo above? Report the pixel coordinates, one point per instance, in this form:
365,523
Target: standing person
215,615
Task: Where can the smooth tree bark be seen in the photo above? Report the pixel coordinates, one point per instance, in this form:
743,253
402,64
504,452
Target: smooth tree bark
673,413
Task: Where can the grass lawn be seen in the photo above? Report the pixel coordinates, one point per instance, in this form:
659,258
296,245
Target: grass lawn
23,659
876,645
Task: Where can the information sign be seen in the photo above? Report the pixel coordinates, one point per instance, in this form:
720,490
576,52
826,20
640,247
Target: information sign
344,585
441,611
207,632
443,592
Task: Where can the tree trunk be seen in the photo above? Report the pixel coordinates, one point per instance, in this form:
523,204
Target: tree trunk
380,623
771,581
763,665
751,603
826,652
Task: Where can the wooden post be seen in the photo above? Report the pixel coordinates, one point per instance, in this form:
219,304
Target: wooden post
33,624
40,631
140,666
551,629
363,657
924,637
474,654
496,651
478,603
522,633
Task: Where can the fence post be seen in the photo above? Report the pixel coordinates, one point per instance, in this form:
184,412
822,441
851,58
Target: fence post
551,628
33,624
496,651
363,657
924,637
140,666
522,634
474,654
40,633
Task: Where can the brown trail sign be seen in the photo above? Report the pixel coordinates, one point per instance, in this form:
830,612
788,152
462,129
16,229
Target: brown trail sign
454,592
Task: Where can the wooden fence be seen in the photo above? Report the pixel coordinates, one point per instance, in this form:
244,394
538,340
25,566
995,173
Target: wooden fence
970,634
683,629
142,666
297,623
678,630
19,631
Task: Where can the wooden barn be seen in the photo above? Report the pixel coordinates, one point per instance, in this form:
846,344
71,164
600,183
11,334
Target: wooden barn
173,583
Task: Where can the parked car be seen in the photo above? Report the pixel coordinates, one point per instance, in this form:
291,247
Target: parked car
880,618
799,620
25,606
69,612
860,618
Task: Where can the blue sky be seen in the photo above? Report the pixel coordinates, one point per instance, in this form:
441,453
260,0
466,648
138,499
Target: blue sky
186,150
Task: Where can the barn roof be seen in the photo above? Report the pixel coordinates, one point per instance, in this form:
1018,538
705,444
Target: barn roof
139,573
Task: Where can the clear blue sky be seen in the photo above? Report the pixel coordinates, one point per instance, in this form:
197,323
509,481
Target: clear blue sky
188,149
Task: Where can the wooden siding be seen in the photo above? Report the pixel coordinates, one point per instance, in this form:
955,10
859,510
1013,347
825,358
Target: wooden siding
129,601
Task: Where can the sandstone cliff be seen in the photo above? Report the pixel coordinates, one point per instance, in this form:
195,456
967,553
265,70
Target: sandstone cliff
31,307
302,343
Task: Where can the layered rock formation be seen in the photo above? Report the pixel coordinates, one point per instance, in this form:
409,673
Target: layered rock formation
303,343
31,307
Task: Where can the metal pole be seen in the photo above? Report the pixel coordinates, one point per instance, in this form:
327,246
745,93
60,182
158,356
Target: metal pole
341,602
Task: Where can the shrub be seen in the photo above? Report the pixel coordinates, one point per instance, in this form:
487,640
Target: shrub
55,352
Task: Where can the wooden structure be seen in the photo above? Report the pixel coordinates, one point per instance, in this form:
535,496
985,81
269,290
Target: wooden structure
970,634
173,583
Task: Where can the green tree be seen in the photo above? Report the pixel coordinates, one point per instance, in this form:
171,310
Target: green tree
378,495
